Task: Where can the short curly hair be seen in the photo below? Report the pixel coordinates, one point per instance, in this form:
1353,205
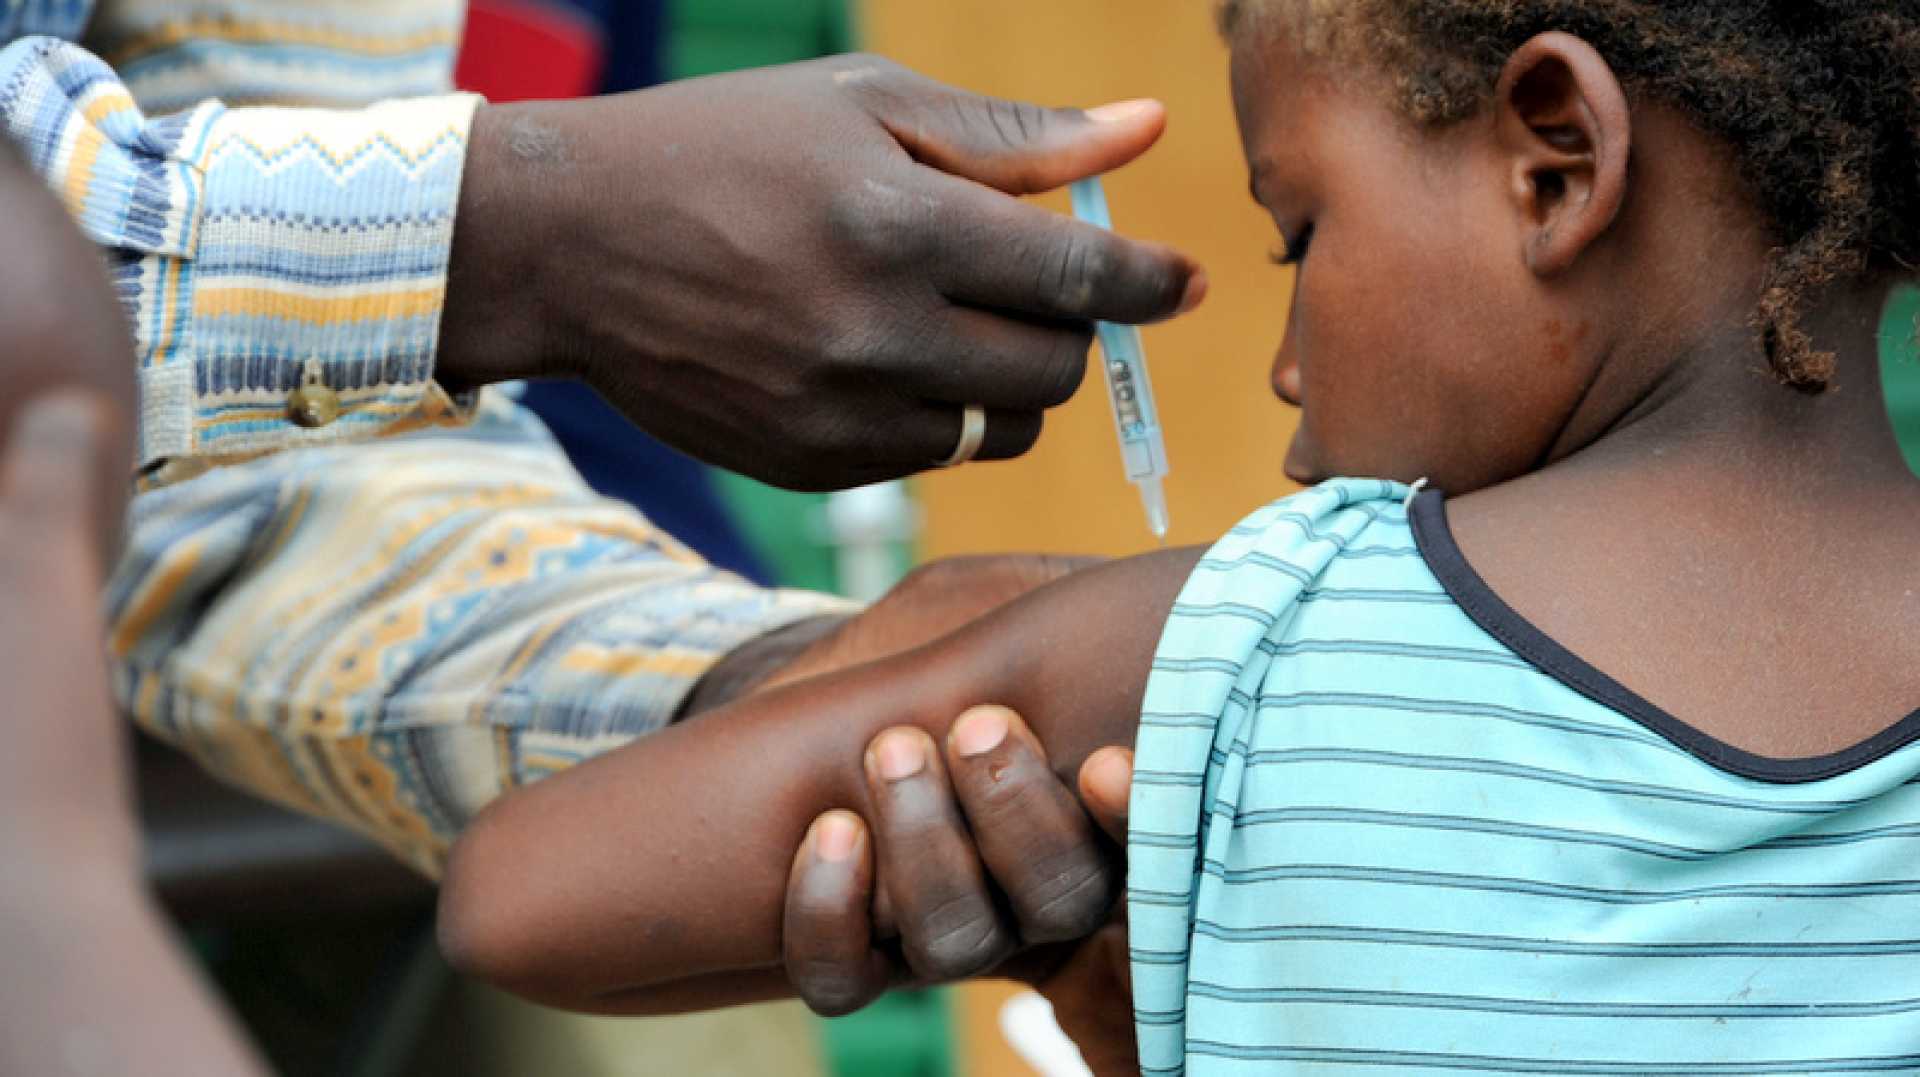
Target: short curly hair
1818,99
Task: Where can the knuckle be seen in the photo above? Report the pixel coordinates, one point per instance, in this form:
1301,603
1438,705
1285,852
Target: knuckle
1068,903
830,988
818,910
1069,275
863,75
964,939
882,222
1014,124
869,64
912,825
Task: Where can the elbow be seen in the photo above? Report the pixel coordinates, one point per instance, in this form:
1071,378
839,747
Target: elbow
494,927
488,925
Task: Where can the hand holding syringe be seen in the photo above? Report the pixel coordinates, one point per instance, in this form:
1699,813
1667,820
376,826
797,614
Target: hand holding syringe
1137,420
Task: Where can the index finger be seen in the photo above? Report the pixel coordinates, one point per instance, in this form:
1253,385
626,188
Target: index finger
997,252
1042,853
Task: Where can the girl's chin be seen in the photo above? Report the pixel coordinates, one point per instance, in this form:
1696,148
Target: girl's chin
1300,467
1304,476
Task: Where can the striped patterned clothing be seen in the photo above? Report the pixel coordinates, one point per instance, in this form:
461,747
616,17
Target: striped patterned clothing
256,248
388,619
1381,823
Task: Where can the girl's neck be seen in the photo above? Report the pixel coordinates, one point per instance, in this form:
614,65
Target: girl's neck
1733,550
1716,416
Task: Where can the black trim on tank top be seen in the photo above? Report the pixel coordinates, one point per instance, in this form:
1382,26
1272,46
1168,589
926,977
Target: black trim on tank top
1434,536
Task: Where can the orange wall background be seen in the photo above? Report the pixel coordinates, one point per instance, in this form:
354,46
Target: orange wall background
1226,433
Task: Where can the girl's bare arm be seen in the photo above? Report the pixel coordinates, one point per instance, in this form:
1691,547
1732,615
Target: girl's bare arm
652,879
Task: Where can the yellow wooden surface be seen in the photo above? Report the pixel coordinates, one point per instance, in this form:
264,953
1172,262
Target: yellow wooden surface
980,1049
1226,433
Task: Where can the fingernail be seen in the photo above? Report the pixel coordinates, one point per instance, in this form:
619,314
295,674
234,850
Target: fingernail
835,837
899,756
1196,292
1122,111
979,731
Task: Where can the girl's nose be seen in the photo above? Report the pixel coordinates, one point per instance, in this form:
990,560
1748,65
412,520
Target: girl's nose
1286,374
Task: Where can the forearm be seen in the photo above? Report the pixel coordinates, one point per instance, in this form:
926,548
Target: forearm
667,861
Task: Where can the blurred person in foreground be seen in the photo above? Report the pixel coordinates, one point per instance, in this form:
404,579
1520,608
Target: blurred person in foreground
91,981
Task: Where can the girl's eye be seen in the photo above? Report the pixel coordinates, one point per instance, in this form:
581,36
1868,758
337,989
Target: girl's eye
1290,254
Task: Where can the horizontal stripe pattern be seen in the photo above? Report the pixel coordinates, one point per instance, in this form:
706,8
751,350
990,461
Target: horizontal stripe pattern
1368,836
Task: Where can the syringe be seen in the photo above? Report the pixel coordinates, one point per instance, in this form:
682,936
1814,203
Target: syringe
1135,418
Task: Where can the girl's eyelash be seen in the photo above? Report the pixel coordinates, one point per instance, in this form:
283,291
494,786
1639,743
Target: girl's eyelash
1290,254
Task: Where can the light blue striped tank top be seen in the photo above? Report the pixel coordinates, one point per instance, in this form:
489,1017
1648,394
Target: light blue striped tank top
1381,823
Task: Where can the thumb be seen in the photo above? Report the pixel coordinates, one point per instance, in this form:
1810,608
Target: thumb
50,477
1106,781
1021,148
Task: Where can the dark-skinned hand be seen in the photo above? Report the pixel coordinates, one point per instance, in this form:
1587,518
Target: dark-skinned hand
801,273
990,863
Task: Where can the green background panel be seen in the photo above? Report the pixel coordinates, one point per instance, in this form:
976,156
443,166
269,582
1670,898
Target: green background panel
1900,361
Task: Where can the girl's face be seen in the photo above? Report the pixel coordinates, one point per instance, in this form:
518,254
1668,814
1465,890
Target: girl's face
1419,343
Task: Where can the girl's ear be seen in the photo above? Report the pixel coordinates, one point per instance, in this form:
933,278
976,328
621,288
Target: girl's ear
1563,121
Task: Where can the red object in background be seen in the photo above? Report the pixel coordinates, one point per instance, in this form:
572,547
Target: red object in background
519,50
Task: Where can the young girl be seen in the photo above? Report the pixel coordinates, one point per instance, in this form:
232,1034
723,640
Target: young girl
1591,756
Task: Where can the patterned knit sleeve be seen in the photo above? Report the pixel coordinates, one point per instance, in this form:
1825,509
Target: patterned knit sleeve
283,270
53,18
390,634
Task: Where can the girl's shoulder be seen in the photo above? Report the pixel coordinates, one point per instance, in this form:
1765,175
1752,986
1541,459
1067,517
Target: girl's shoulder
1341,561
1343,540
